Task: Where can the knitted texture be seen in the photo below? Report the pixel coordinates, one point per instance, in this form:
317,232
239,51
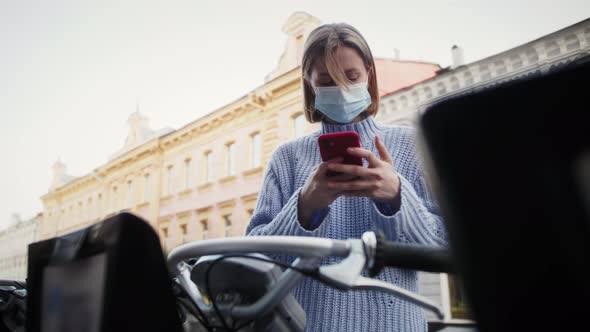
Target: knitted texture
417,221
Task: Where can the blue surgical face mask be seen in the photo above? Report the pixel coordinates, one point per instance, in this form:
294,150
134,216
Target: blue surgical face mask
340,104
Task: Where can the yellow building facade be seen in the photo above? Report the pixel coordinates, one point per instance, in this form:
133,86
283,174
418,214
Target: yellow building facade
202,180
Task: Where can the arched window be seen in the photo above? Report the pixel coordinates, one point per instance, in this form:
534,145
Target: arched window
571,42
455,83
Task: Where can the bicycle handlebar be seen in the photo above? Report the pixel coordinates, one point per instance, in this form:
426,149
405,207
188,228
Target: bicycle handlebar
410,256
372,253
290,245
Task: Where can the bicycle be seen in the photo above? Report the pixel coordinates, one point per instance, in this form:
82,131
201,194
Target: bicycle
250,292
233,285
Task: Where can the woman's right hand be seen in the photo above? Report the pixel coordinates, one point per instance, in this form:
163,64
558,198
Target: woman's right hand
316,194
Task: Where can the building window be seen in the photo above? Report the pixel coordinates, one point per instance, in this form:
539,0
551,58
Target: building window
256,149
392,105
442,89
187,173
428,92
571,42
415,97
184,232
500,67
165,232
299,125
468,78
208,166
532,56
454,83
552,48
204,229
459,308
70,215
89,210
228,225
99,205
147,187
484,71
129,193
516,61
230,166
404,101
169,174
114,205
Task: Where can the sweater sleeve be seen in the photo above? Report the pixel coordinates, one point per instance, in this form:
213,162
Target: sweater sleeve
418,219
276,210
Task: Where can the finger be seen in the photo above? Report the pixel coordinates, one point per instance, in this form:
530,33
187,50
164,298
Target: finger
383,153
323,167
356,193
342,177
363,153
355,170
358,185
321,173
335,160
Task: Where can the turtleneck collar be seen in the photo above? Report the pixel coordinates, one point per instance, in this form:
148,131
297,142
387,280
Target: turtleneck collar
366,128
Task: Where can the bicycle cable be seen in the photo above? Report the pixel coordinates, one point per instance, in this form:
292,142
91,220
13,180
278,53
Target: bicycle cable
313,273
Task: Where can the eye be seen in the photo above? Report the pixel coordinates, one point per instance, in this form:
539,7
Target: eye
353,77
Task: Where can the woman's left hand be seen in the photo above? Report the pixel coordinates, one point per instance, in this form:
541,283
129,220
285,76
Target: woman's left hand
378,181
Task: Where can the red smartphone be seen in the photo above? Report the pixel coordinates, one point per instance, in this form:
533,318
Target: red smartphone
334,145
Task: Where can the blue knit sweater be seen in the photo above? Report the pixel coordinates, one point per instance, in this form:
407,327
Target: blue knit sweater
417,221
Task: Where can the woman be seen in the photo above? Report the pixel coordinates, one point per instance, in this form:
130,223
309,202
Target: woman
389,193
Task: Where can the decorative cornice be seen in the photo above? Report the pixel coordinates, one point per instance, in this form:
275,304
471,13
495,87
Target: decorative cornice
256,99
250,197
205,186
227,179
204,210
227,204
183,214
165,219
142,205
252,171
185,192
166,199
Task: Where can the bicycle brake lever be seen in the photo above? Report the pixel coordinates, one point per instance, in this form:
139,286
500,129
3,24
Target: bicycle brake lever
363,283
346,275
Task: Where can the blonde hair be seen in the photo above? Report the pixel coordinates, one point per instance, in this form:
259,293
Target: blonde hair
321,45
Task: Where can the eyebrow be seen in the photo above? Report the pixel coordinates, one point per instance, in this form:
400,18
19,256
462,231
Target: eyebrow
349,71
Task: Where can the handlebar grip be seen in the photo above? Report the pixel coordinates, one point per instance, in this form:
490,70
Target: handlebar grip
410,256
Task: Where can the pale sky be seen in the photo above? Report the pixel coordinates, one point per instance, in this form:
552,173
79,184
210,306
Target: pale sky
71,72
